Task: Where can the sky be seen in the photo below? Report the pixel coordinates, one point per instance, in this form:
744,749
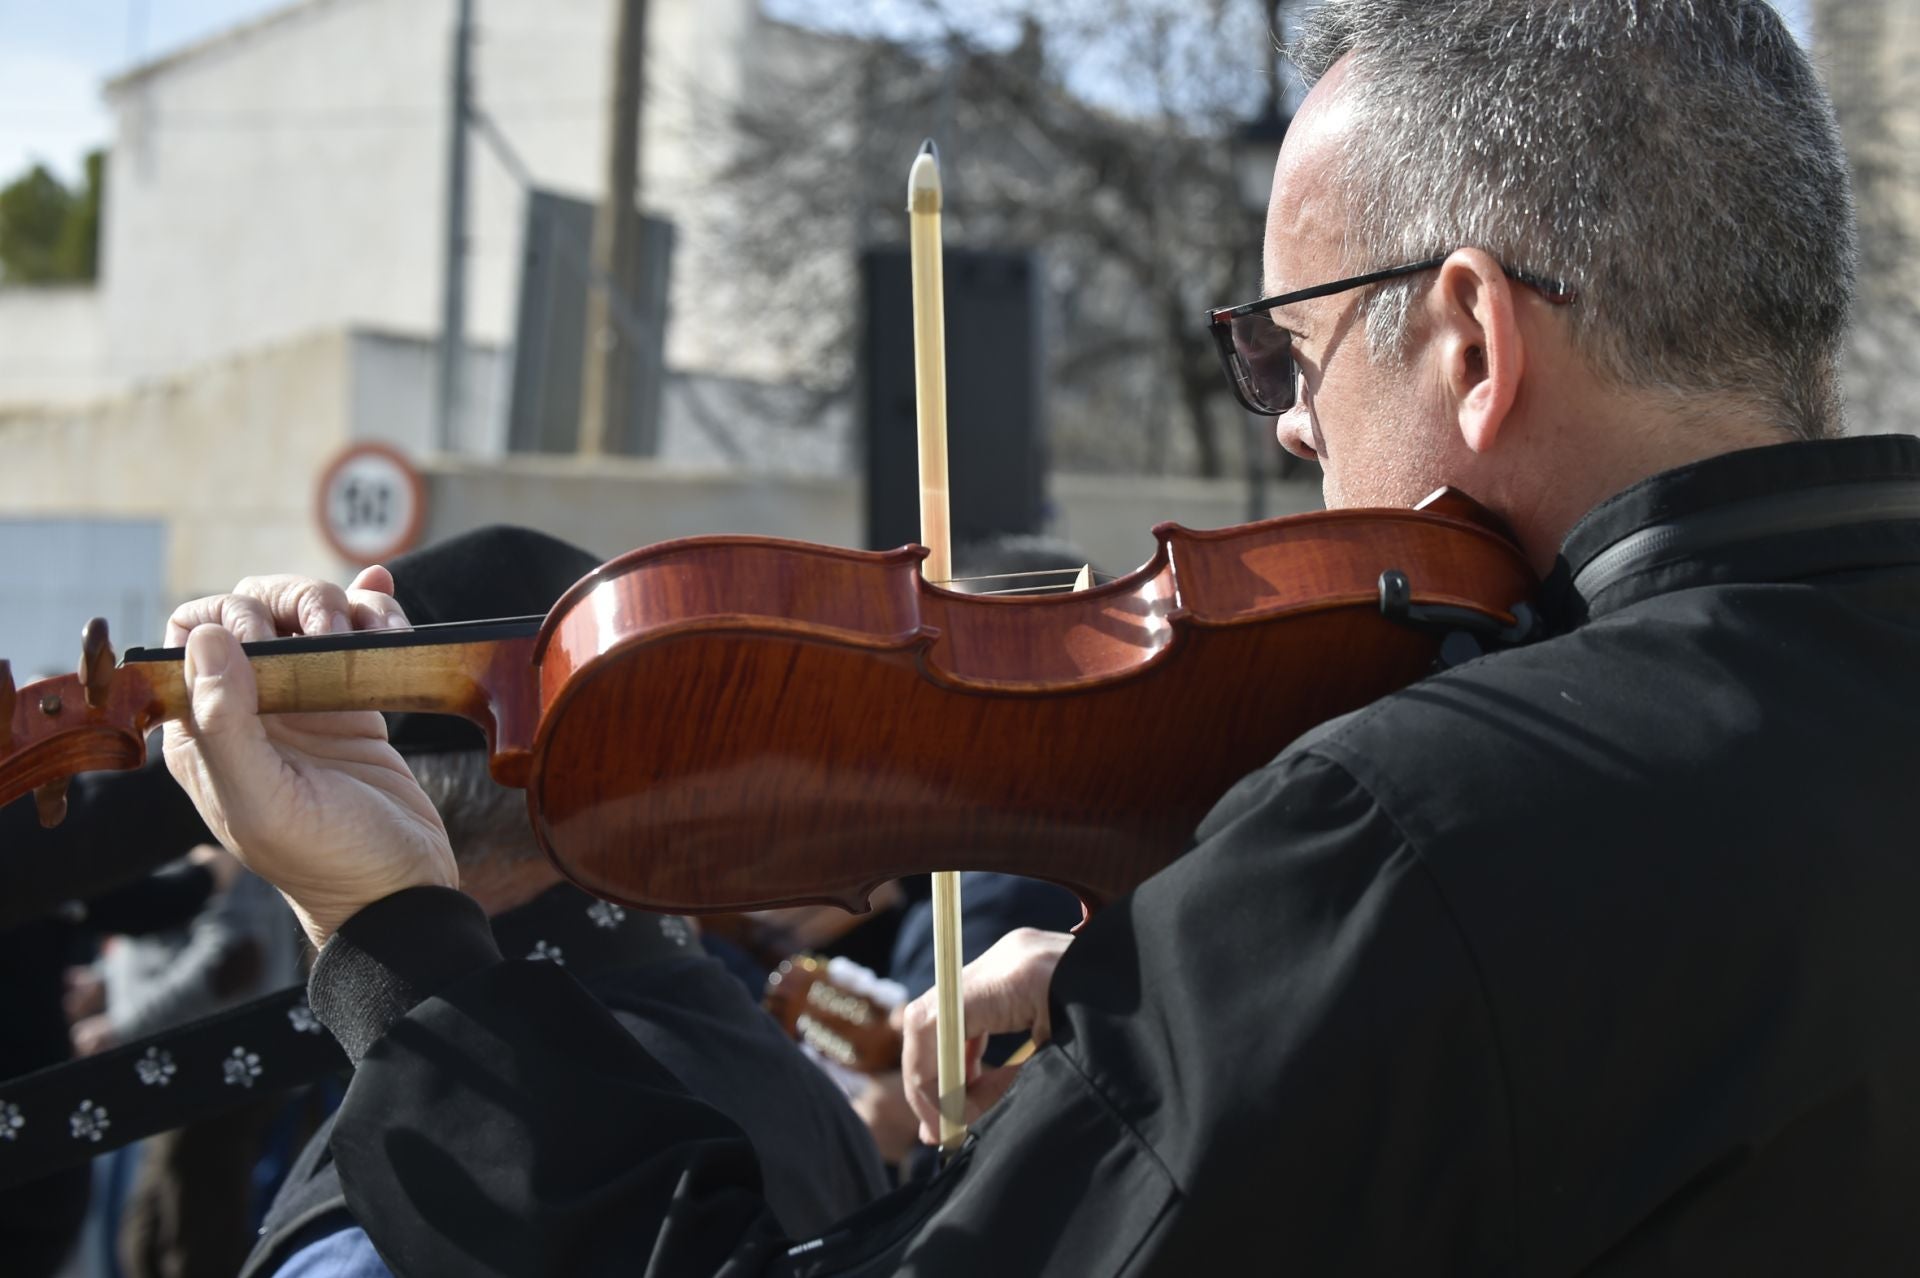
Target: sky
55,54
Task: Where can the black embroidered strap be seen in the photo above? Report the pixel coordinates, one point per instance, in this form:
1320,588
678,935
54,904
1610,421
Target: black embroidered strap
63,1115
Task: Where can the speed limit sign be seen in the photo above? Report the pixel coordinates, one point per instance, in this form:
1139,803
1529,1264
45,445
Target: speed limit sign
372,503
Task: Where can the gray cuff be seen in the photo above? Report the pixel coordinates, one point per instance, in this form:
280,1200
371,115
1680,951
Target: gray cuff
392,955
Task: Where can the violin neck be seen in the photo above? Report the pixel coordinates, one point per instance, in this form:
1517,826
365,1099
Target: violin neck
477,672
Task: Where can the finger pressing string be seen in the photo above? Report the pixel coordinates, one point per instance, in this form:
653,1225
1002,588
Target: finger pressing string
300,605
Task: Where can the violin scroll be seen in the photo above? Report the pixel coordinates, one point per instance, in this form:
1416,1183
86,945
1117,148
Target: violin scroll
93,719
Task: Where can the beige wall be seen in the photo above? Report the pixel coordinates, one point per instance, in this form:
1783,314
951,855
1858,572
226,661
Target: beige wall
612,505
1111,517
289,176
227,457
52,345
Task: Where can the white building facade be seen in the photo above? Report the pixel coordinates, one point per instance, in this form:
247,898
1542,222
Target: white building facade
289,176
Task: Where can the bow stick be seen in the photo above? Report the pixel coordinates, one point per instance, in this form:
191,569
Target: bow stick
930,396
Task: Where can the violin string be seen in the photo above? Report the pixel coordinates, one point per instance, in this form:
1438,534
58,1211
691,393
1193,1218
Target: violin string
1056,573
1066,589
409,636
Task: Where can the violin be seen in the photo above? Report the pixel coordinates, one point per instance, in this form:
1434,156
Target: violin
730,723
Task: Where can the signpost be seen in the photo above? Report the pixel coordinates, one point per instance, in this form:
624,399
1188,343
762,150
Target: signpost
372,503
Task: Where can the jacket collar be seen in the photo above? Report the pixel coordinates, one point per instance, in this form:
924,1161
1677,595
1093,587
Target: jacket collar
1781,513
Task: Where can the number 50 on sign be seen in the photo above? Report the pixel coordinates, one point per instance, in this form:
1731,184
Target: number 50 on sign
372,503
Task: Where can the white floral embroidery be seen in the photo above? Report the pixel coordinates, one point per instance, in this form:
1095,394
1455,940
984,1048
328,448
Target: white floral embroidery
89,1122
301,1017
241,1068
541,950
156,1068
11,1121
606,914
675,929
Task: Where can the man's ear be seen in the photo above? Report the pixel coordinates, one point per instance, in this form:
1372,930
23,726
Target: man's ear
1480,345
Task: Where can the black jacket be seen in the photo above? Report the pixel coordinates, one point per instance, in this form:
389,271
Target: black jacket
689,1013
1597,956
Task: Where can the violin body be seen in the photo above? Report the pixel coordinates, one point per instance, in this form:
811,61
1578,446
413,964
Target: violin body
739,723
735,722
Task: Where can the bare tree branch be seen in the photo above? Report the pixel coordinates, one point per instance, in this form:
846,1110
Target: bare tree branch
1095,132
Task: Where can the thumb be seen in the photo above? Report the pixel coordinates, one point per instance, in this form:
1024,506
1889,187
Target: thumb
224,717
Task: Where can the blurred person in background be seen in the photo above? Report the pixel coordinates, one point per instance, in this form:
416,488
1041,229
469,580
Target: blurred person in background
188,1208
61,889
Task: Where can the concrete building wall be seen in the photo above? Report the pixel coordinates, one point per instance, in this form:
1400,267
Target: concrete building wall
226,458
395,378
276,180
1111,517
57,573
289,176
52,345
616,504
707,422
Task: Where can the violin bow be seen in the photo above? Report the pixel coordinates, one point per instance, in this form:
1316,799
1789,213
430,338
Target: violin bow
930,398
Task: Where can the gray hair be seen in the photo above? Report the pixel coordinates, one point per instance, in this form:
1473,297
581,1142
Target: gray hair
1674,161
486,821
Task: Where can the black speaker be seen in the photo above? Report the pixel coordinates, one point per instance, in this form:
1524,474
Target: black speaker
996,445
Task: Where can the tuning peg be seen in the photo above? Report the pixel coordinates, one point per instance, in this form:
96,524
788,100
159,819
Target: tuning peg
96,662
6,705
50,800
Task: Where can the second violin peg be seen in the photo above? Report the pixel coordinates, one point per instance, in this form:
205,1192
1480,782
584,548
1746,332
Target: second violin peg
50,802
96,662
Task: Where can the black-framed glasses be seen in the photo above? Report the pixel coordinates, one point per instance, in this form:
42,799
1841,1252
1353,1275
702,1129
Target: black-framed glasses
1257,353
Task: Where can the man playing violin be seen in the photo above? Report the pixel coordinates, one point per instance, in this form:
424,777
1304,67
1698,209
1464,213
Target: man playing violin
1596,955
